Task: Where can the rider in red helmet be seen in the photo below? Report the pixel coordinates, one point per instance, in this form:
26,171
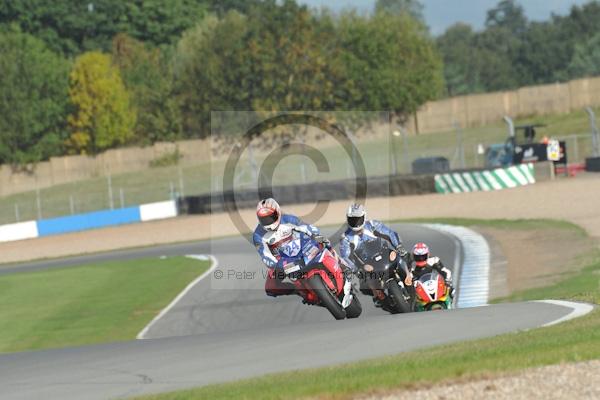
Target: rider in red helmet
272,223
423,264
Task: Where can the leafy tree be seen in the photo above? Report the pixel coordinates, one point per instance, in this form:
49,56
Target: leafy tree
392,64
283,57
275,58
586,60
397,7
102,116
148,76
507,14
513,52
221,7
496,51
33,99
73,26
461,72
213,71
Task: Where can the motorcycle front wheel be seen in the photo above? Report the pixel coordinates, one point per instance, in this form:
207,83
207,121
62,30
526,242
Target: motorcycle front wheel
355,308
326,297
400,303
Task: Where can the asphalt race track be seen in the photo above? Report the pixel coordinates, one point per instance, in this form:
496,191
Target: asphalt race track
227,329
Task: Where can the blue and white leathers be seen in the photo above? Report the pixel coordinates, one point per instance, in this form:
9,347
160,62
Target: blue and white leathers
372,229
268,253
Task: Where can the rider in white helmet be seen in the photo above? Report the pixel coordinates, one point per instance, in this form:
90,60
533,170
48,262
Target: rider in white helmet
360,229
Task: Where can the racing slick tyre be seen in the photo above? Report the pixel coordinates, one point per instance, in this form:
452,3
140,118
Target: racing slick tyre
326,297
401,305
355,308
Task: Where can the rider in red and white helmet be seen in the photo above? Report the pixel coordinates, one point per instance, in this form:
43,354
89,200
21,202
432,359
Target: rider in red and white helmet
424,264
272,223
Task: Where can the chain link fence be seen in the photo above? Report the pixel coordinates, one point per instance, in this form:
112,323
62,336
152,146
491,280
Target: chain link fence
391,151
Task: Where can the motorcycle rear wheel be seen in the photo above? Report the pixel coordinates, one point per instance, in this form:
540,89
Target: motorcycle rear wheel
401,305
326,297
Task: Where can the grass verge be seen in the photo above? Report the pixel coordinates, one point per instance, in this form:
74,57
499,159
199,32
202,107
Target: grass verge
95,303
576,340
514,224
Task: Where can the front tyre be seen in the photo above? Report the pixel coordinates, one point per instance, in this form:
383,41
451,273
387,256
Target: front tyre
400,303
326,297
355,308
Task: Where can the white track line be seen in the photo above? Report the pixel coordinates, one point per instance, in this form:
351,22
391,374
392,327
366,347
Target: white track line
578,310
189,287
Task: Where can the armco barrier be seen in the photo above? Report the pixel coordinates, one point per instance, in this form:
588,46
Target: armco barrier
486,180
19,231
93,220
161,210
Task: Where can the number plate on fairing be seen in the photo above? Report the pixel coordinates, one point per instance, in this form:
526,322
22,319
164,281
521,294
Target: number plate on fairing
290,268
291,248
310,252
431,286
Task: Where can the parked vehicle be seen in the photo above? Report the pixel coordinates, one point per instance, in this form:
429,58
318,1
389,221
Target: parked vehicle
382,274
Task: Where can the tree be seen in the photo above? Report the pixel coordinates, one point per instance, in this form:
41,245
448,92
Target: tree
221,7
33,99
413,8
280,56
392,63
213,71
148,76
102,116
507,14
459,54
73,26
275,58
586,60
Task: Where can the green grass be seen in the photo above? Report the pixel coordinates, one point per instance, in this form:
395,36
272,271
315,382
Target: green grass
573,341
576,340
95,303
518,224
584,286
203,176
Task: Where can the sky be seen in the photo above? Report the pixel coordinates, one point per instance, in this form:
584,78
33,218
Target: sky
440,14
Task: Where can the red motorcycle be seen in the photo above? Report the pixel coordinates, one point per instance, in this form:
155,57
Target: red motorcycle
315,271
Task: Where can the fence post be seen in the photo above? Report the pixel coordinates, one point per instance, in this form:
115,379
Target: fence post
71,204
17,214
303,161
122,197
38,202
405,151
111,203
595,134
180,175
393,137
459,145
253,164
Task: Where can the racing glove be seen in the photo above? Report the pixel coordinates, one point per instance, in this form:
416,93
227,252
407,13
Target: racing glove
405,255
322,240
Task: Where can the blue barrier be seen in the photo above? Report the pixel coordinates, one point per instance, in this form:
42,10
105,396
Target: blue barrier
93,220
